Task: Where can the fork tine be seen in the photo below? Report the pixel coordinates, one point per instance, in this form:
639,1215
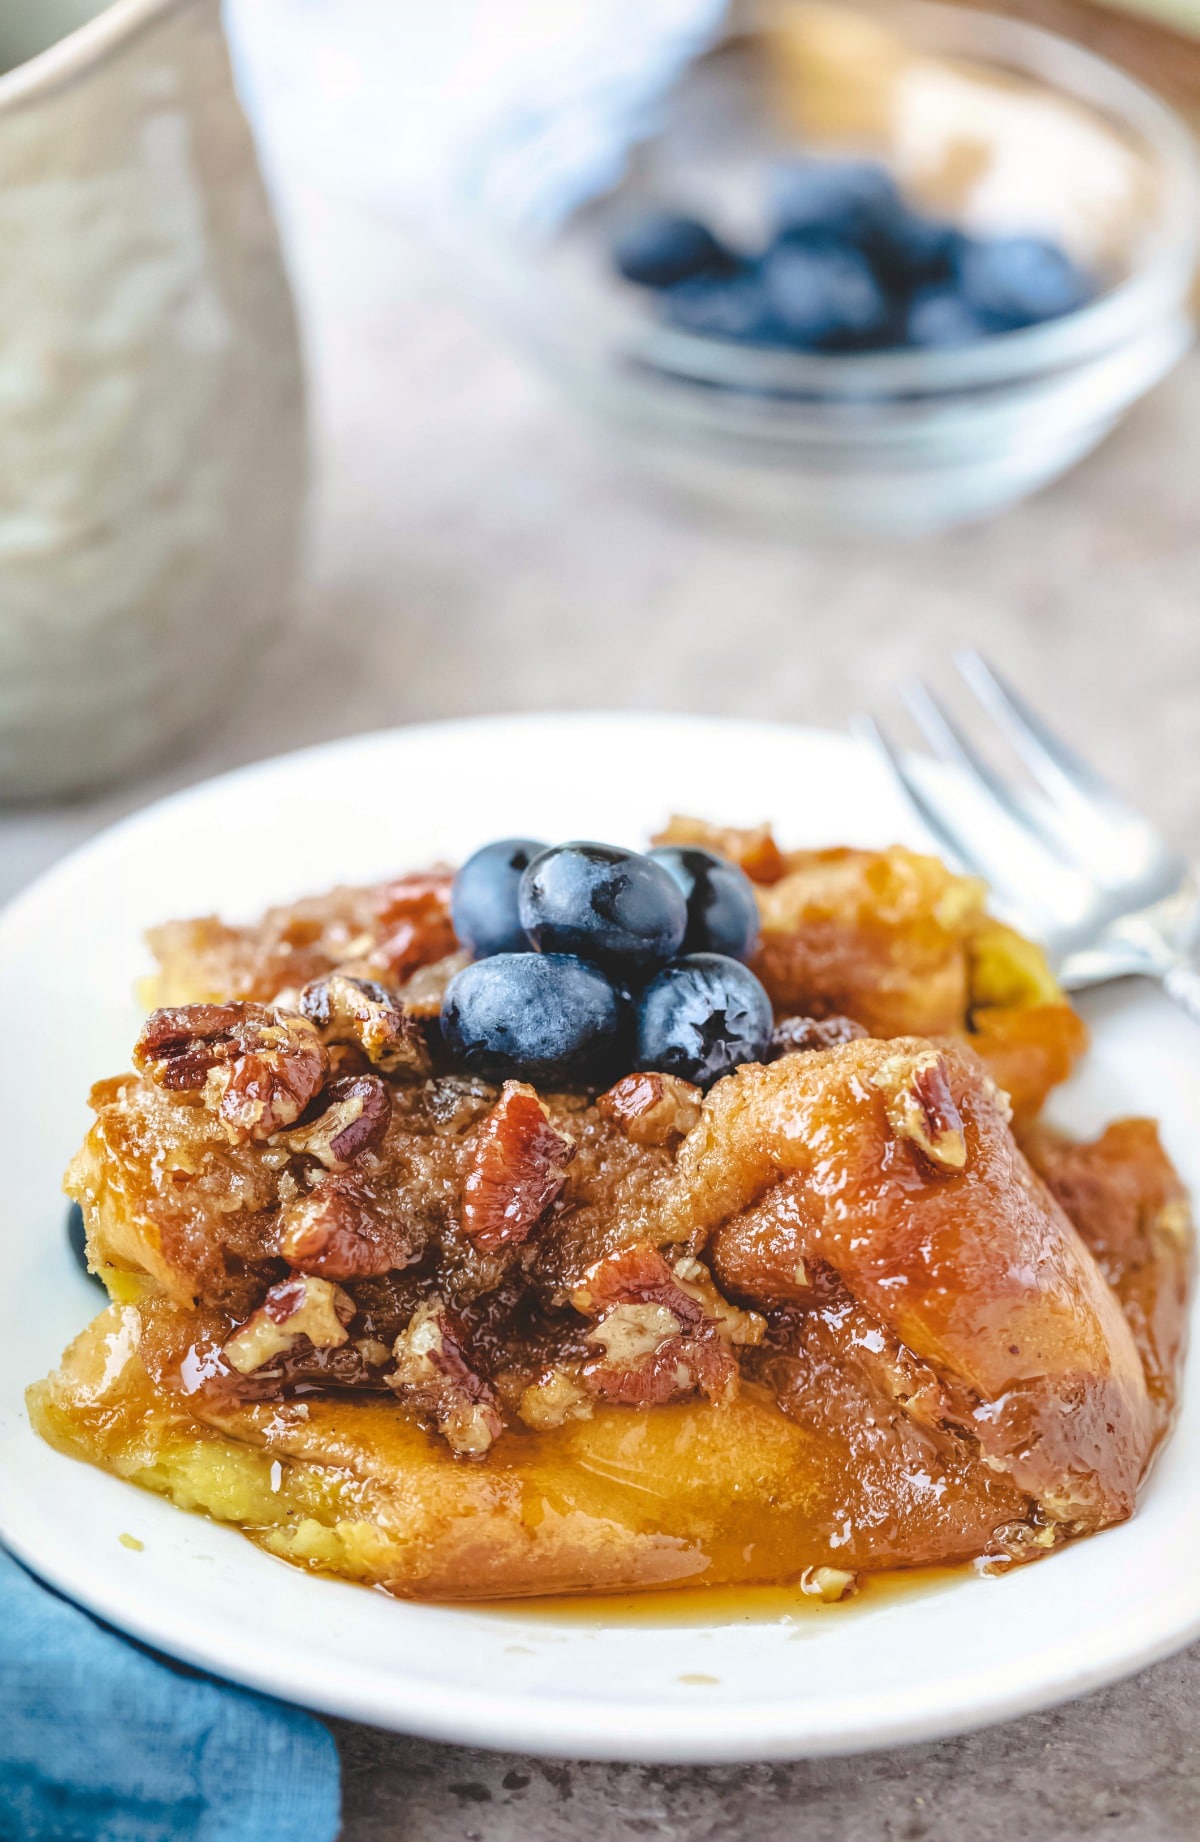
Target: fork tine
949,836
949,743
1058,769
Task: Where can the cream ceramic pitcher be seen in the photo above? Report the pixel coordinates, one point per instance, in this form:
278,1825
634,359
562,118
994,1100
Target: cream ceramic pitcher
152,456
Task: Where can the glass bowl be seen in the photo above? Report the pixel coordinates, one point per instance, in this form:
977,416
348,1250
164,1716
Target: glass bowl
992,122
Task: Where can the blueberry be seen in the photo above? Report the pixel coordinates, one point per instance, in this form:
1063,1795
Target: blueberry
843,199
701,1017
941,317
1017,281
483,901
610,906
722,911
77,1241
542,1017
735,307
907,248
660,248
825,296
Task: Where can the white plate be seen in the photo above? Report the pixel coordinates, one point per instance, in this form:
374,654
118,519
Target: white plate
905,1668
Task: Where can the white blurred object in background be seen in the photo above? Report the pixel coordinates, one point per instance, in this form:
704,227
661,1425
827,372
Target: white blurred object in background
376,98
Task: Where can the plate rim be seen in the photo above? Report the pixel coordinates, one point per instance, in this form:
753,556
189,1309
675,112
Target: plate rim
516,1720
623,1733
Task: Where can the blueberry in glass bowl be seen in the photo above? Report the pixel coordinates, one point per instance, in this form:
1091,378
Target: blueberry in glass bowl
850,266
825,296
660,249
1035,290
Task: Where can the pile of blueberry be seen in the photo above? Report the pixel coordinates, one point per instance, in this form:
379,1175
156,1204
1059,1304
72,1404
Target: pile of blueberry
591,960
850,266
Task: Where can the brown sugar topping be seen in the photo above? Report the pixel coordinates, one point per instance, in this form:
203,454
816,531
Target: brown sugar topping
796,1035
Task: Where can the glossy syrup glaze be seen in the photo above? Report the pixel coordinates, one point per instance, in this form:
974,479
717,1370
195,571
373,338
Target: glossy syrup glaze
709,1606
840,1318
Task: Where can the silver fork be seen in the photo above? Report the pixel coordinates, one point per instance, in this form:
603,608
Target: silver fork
1069,861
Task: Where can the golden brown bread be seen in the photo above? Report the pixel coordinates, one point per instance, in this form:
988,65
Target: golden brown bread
975,1270
829,1318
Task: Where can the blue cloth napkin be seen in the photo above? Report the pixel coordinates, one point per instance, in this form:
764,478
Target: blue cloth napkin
102,1741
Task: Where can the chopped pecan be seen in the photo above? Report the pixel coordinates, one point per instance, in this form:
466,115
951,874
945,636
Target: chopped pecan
518,1168
353,1119
828,1583
346,1059
733,1324
920,1107
298,1370
555,1398
657,1340
362,1013
1014,1543
299,1307
178,1046
652,1109
333,1230
793,1035
415,924
374,1353
257,1069
1001,1100
432,1372
423,992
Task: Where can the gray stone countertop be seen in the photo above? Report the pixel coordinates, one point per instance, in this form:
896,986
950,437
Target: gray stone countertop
474,549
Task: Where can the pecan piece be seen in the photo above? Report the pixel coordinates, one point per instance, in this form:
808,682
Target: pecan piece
257,1068
656,1340
332,1230
556,1397
414,916
733,1324
1014,1543
423,992
828,1583
652,1109
299,1307
178,1046
518,1168
366,1015
354,1118
920,1107
432,1372
794,1035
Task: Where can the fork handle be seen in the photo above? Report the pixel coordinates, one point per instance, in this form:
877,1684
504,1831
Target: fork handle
1181,982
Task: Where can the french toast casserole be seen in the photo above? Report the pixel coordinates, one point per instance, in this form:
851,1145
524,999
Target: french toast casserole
413,1302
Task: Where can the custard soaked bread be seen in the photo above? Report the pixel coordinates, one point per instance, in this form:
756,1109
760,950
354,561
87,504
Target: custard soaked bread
465,1335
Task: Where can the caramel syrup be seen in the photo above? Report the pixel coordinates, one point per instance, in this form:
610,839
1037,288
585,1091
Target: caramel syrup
725,1605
